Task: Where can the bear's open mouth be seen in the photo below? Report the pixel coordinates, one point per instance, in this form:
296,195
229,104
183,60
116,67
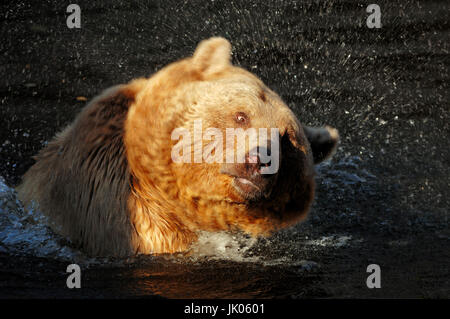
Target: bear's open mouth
248,189
246,183
250,185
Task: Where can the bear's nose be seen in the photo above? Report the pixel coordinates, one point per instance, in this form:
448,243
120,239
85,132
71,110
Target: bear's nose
257,158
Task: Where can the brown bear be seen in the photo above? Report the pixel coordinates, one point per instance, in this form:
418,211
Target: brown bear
109,183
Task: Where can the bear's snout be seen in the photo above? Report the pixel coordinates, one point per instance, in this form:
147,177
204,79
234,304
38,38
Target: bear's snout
251,179
257,159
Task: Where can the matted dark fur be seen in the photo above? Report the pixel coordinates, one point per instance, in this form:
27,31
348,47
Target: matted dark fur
82,177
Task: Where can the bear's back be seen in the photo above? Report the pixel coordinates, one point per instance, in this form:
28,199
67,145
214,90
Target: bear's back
81,180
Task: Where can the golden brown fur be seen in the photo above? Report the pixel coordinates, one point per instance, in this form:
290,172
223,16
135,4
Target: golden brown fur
108,182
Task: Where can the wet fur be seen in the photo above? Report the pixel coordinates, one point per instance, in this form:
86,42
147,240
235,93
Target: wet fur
81,179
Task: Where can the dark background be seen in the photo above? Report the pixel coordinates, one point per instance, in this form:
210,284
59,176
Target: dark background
386,90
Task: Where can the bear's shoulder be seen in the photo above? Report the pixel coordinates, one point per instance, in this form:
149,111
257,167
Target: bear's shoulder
81,179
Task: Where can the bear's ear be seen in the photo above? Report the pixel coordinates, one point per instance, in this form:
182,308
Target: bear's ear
212,55
323,141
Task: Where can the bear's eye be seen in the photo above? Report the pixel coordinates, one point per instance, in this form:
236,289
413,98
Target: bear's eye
241,118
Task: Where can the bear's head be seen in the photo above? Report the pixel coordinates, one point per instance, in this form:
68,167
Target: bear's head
211,139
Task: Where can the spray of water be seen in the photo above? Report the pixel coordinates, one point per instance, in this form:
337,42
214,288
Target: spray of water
26,232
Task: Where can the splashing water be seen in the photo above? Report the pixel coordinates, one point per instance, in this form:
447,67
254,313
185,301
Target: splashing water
222,245
26,232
